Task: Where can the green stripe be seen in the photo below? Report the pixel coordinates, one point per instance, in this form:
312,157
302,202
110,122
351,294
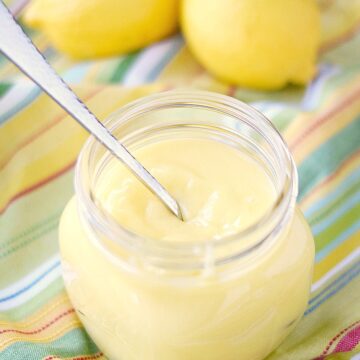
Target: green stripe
37,236
289,95
73,343
4,88
328,157
27,256
106,70
35,304
33,250
123,67
283,119
323,212
3,60
53,220
314,331
339,226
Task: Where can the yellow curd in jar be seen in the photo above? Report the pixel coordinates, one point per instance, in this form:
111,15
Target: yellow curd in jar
136,312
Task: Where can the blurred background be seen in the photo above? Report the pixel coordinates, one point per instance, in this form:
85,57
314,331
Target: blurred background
296,61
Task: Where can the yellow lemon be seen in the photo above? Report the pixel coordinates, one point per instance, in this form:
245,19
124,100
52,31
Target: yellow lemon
92,28
262,44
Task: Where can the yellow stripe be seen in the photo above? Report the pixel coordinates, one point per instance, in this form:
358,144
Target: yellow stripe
9,70
26,124
323,189
40,40
43,317
335,123
92,72
39,338
173,72
59,137
56,149
325,132
62,64
340,253
331,101
56,305
48,154
41,113
195,75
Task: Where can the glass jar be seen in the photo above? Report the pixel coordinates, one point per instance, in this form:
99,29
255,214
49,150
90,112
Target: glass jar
222,299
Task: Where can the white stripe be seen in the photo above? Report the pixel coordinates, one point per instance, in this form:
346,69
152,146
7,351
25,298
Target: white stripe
315,90
145,63
271,109
18,92
342,264
271,113
26,281
356,357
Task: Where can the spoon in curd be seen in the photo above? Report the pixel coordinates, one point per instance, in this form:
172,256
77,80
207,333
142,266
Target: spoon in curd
20,50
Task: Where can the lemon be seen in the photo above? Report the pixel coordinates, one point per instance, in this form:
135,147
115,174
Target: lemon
93,28
262,44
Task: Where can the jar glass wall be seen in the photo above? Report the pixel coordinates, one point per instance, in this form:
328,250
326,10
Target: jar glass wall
231,298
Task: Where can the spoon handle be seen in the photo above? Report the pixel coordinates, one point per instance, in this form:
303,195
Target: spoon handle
20,50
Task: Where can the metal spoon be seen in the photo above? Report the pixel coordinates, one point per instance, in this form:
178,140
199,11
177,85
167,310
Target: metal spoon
19,49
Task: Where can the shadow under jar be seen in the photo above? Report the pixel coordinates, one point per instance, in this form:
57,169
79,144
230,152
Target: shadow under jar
231,298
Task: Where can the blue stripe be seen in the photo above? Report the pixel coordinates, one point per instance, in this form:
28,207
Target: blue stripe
332,293
337,241
178,42
341,210
49,52
353,178
34,282
314,90
21,104
76,73
347,273
327,158
3,59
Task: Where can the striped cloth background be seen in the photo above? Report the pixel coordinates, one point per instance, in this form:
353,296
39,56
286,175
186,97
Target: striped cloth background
39,145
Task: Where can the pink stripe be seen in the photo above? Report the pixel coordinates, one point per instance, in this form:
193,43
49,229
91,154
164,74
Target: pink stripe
47,127
324,117
334,339
349,341
37,185
334,174
89,357
37,331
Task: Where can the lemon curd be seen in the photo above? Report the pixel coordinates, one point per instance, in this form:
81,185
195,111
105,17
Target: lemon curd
232,280
221,191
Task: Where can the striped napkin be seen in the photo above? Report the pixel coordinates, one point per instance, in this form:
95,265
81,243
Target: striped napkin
39,145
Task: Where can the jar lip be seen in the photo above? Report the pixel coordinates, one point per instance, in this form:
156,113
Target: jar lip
170,99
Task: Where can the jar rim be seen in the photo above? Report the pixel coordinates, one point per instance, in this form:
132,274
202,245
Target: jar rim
182,98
